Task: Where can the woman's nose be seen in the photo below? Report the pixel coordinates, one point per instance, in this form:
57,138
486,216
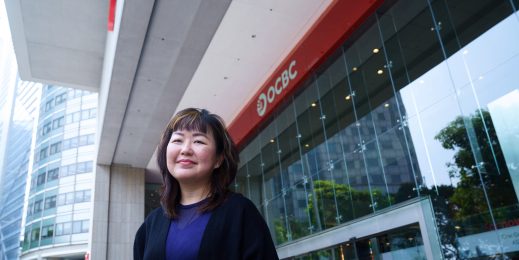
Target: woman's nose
186,148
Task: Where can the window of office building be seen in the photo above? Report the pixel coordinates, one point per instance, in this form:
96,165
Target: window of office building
419,103
53,174
43,153
61,98
46,128
48,105
47,231
58,122
55,148
50,202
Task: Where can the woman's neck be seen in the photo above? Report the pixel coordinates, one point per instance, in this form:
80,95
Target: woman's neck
191,195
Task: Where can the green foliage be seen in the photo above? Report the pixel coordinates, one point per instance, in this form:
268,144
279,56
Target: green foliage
462,209
351,203
468,198
298,229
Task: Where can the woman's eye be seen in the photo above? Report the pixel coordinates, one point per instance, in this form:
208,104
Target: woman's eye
176,141
199,142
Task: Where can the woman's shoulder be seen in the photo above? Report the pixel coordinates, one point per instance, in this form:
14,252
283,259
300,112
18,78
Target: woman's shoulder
157,214
237,201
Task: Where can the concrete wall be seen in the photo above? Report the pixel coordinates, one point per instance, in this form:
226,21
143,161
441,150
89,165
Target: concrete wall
118,211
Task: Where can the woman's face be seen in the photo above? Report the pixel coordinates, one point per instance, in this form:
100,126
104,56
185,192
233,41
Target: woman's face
191,156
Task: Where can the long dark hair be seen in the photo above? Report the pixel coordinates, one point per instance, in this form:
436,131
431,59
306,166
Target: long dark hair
201,120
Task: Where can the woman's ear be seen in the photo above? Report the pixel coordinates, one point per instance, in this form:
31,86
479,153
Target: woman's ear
218,162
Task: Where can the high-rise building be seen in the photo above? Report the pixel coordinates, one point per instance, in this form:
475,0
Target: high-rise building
8,73
19,101
16,166
58,211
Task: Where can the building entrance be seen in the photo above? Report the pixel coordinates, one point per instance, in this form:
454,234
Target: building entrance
401,243
404,232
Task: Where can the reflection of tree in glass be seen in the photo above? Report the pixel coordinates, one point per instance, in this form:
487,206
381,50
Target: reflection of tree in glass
462,209
442,213
468,198
351,203
298,229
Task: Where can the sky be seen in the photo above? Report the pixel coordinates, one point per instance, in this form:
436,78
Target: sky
5,34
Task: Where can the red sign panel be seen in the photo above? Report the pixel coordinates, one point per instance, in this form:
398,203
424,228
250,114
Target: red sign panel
337,22
111,15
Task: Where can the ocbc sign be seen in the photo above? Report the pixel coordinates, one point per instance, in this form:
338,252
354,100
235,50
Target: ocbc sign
267,97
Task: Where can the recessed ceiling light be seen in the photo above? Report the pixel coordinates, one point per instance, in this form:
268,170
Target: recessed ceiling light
376,50
354,68
271,140
314,104
380,72
307,145
348,97
386,105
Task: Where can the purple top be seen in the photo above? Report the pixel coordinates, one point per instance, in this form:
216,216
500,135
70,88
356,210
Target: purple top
185,233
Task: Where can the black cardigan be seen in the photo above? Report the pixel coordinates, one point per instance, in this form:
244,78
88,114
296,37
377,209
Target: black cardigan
235,230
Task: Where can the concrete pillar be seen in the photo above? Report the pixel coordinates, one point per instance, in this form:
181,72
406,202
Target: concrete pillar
98,242
118,211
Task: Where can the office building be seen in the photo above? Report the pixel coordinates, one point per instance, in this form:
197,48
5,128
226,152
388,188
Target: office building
19,102
57,221
16,166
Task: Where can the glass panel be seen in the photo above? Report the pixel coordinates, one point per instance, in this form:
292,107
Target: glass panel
76,227
255,180
270,164
78,196
276,220
460,22
87,195
67,228
84,226
403,243
240,182
70,198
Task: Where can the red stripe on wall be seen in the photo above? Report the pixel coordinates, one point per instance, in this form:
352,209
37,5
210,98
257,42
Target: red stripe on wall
332,28
111,15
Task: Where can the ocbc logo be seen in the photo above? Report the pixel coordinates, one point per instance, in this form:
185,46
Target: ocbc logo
280,84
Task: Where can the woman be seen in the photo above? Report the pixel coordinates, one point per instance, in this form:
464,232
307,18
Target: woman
200,217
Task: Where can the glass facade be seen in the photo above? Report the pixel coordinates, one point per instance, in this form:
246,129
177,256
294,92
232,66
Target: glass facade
59,199
19,103
420,102
16,166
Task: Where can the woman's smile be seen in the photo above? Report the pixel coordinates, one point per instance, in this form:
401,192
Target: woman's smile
185,162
